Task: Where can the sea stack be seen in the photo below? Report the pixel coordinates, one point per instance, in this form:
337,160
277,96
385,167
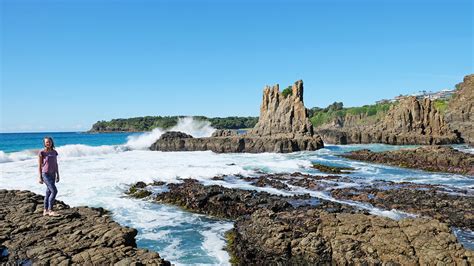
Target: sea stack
283,114
283,126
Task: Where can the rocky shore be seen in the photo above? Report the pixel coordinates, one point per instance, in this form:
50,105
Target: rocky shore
233,203
453,208
431,158
460,111
283,126
301,230
411,121
314,237
81,235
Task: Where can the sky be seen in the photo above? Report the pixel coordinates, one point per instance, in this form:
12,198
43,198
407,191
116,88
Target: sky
66,64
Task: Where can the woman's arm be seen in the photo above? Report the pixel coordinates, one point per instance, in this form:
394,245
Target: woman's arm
57,169
40,168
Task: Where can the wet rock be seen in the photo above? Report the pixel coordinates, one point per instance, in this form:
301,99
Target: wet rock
233,203
138,190
455,210
240,144
332,169
81,235
430,158
314,237
170,135
267,181
301,230
219,201
283,180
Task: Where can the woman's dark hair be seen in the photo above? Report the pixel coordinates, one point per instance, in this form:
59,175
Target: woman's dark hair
50,139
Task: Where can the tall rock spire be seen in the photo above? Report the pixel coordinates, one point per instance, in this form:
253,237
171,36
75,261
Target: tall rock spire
283,114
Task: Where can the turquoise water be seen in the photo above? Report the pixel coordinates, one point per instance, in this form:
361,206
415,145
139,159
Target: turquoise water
97,169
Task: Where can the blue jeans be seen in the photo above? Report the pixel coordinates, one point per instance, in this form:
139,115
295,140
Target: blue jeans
51,190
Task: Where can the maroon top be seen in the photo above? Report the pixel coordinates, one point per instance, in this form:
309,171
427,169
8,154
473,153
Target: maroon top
50,162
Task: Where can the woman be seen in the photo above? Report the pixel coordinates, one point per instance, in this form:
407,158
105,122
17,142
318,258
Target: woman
49,173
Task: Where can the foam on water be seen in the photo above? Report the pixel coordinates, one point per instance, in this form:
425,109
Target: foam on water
98,176
195,128
464,148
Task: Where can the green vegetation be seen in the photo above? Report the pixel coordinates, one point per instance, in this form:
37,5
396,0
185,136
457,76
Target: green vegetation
320,116
441,105
287,91
138,191
230,237
332,169
148,123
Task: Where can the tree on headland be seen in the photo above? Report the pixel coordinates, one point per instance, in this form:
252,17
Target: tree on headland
148,123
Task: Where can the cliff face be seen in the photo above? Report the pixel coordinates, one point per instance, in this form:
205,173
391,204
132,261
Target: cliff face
283,126
411,121
460,112
418,117
283,115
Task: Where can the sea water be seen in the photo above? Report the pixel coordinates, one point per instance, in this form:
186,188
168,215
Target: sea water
96,170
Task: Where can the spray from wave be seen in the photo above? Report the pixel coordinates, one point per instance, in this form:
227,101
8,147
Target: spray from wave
188,125
16,156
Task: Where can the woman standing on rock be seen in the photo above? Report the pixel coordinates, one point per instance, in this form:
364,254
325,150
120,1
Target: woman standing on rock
49,174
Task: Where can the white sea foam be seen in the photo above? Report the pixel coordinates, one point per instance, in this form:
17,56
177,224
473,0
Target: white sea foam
101,177
214,238
188,125
17,156
4,158
464,148
144,141
80,150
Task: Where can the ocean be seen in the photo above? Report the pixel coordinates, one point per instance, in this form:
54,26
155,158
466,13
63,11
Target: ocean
96,170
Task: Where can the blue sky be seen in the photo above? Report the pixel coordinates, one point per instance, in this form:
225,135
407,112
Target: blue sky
67,64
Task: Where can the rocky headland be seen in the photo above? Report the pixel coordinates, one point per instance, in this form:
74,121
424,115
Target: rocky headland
429,158
283,126
460,111
80,235
409,121
301,230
